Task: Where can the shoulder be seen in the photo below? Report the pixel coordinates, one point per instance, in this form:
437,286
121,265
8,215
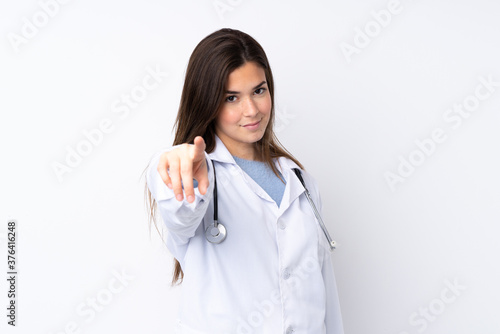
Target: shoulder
287,163
309,180
311,183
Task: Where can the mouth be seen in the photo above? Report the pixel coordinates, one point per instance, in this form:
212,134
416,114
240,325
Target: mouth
252,124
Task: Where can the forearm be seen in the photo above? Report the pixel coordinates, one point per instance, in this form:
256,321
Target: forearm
180,217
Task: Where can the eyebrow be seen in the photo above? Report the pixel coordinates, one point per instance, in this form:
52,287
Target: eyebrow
234,92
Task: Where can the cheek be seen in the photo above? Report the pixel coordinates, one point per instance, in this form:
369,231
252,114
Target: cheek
265,106
228,117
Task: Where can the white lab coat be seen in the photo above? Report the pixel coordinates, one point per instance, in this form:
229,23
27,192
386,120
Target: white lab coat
272,274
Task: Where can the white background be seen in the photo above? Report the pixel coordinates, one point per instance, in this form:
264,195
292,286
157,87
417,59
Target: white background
348,122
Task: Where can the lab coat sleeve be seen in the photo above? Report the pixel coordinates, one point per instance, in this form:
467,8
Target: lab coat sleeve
333,316
180,217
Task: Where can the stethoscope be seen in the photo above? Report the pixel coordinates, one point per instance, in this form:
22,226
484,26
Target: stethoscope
216,232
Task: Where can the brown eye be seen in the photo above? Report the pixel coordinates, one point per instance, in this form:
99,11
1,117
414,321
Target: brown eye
228,99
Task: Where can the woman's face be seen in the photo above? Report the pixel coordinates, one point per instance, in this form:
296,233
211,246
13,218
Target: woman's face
247,102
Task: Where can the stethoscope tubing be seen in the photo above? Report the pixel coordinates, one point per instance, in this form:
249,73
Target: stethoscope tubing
331,243
216,232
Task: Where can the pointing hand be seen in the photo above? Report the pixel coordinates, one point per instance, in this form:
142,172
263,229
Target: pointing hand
183,164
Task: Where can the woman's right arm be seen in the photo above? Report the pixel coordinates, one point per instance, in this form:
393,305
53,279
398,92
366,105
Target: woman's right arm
181,163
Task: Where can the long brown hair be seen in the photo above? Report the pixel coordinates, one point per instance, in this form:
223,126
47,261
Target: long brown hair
210,64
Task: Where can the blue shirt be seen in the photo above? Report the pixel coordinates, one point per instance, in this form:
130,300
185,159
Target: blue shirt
264,176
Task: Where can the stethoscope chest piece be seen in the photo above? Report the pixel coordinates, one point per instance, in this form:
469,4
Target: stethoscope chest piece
215,233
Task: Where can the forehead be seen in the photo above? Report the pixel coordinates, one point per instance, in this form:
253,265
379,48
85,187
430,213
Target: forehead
247,75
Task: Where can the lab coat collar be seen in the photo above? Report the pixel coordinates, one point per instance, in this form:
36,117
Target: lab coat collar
222,154
293,187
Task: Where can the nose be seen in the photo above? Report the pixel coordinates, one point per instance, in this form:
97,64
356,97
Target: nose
250,108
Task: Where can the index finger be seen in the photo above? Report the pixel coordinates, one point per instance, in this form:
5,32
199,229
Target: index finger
199,148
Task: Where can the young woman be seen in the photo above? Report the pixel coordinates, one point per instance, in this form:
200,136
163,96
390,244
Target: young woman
265,265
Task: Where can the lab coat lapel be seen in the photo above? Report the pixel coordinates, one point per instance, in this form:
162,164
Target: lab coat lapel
221,153
293,187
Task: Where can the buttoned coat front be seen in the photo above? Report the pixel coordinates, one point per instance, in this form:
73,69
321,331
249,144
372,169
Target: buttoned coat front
272,274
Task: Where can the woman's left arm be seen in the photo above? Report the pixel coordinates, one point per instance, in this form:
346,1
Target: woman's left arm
333,316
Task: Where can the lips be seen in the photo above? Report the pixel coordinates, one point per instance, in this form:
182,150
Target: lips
255,123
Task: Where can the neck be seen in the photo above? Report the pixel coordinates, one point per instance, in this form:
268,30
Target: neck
241,150
246,152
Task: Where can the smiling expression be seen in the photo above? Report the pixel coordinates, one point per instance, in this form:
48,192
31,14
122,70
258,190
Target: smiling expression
245,111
